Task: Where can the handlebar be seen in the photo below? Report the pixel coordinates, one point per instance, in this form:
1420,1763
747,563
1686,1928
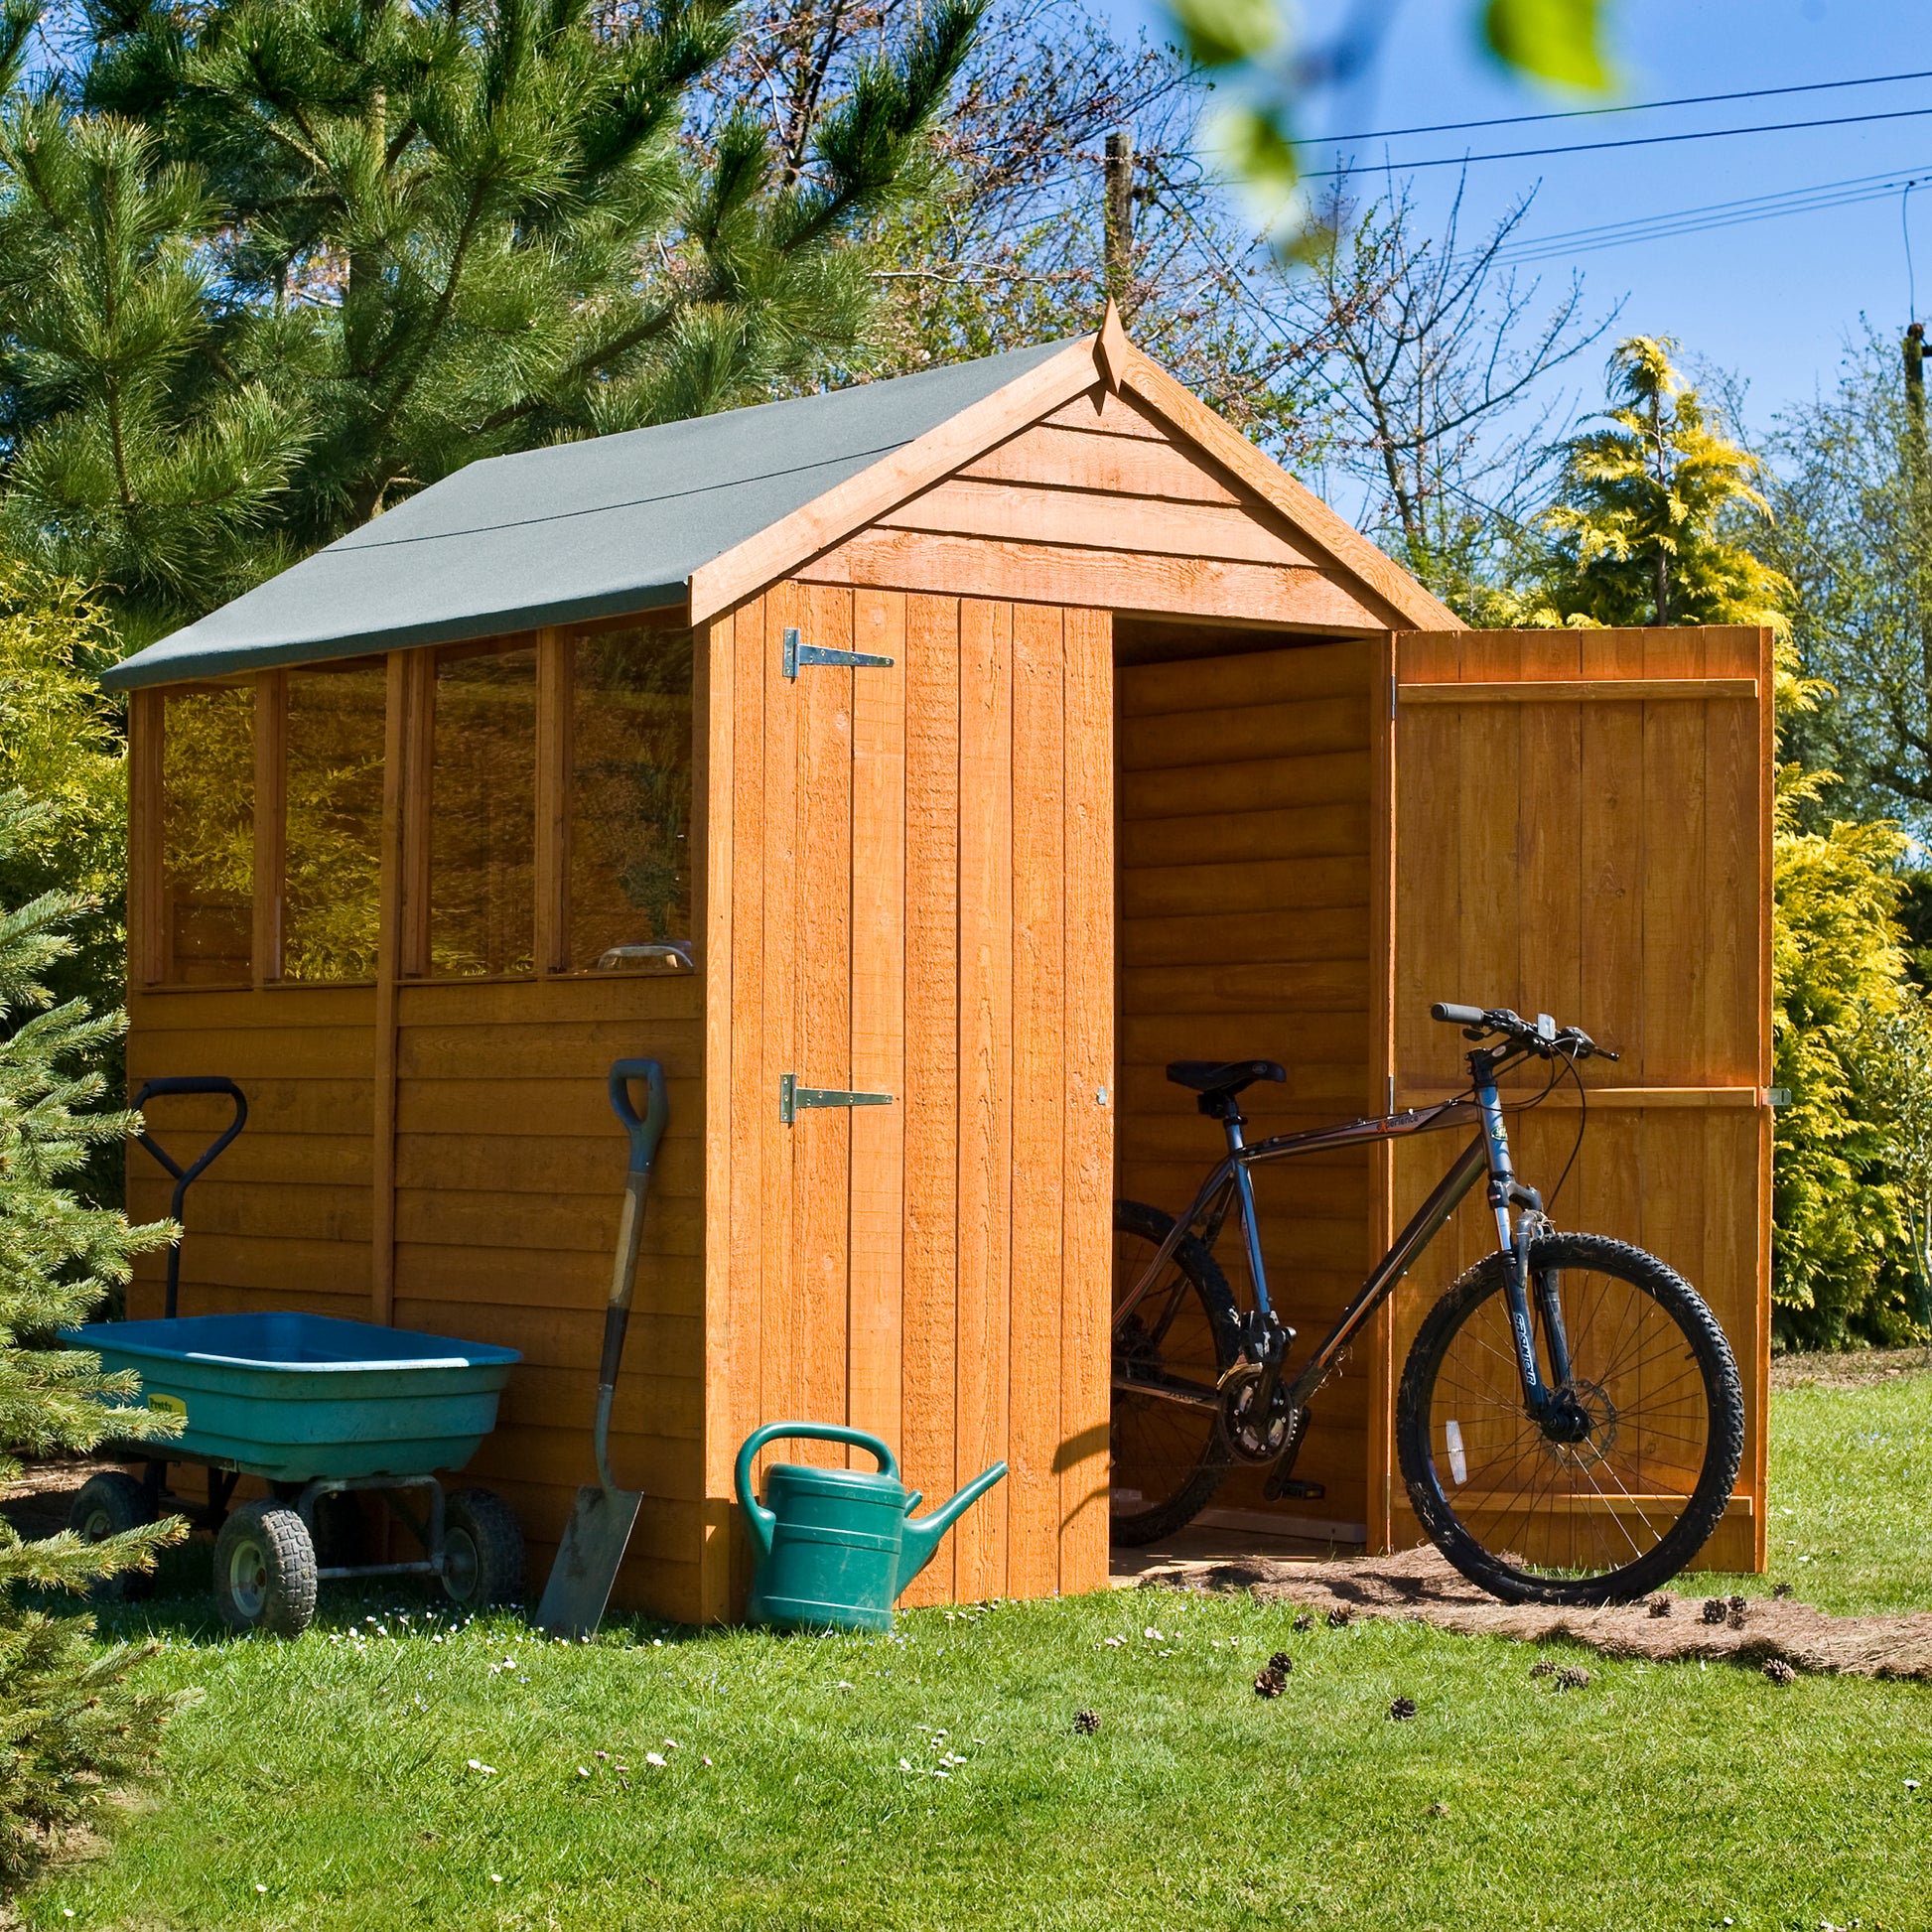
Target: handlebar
1541,1036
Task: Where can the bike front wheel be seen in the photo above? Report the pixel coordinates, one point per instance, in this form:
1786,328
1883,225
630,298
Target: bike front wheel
1613,1493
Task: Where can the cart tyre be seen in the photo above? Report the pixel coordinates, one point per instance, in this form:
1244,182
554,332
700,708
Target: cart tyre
111,1503
482,1550
265,1570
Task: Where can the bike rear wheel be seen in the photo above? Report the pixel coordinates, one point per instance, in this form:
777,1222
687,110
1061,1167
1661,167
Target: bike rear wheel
1168,1459
1612,1501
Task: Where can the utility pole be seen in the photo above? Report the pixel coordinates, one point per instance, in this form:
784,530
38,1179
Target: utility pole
1120,216
1915,382
1918,486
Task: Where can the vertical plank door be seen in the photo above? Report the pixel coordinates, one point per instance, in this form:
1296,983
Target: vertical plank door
913,899
1582,826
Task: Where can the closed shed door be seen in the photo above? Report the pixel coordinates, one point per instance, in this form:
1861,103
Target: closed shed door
1582,826
910,895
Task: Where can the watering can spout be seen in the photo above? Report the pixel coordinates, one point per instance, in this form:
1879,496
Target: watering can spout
919,1539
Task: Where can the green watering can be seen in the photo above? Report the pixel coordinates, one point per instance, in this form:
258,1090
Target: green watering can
836,1547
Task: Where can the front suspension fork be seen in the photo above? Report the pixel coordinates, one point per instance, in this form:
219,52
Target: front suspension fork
1517,1234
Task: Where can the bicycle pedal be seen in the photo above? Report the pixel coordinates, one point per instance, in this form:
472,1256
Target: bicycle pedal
1298,1487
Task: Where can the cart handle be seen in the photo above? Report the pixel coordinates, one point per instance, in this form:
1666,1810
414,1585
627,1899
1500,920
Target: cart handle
185,1177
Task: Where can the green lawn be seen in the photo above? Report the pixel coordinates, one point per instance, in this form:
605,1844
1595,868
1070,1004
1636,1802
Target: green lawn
330,1783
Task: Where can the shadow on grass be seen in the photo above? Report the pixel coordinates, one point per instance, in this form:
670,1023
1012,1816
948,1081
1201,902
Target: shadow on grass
177,1604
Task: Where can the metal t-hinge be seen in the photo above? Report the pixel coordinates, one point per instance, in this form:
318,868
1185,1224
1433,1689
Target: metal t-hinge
798,653
791,1097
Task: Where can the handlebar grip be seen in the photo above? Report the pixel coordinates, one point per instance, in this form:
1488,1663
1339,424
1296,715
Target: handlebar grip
1456,1015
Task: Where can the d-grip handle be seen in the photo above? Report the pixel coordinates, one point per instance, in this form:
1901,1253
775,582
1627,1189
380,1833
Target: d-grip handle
759,1518
648,1129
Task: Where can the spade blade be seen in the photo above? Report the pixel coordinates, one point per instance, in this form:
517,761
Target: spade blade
594,1544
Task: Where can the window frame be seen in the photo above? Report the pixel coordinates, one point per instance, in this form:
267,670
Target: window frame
403,929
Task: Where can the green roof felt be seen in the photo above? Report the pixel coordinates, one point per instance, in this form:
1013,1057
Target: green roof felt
580,530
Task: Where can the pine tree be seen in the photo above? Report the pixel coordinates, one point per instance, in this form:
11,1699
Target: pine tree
1645,526
431,231
70,1720
134,464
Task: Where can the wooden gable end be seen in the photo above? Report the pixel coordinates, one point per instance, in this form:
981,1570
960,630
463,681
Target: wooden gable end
1099,503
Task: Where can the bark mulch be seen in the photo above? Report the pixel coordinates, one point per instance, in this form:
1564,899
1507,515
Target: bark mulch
1419,1585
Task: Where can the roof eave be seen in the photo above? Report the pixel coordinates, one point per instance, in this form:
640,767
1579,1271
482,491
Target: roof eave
229,660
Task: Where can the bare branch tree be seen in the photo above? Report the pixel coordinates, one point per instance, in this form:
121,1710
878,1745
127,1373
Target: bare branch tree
1009,249
1437,354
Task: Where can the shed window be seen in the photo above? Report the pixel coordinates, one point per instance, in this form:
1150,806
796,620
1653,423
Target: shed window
482,813
629,791
333,853
207,820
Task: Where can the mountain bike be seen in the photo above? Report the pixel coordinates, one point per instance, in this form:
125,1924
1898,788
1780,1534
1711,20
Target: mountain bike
1570,1420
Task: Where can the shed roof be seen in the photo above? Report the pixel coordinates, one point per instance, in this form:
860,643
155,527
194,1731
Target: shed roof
599,528
707,510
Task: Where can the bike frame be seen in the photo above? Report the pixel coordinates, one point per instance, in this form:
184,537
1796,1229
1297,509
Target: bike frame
1229,1187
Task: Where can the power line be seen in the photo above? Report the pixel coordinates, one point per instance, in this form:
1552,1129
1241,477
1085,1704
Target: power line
1630,141
1628,107
1537,154
1699,221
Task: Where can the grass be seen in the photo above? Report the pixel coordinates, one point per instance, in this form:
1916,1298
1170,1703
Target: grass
328,1784
1851,1523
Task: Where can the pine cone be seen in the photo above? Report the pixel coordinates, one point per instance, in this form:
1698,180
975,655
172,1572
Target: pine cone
1280,1663
1573,1679
1715,1610
1778,1671
1340,1617
1086,1721
1270,1684
1737,1607
1543,1667
1784,1589
1659,1606
1403,1708
1305,1620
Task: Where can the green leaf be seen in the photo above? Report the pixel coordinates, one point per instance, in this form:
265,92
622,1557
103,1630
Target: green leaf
1256,149
1555,39
1224,32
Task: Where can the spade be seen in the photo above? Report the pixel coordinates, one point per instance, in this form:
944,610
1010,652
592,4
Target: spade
600,1527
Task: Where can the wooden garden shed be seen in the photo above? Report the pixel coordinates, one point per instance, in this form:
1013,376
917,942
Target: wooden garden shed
1147,754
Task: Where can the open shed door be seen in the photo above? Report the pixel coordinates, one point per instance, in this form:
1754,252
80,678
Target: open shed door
1582,826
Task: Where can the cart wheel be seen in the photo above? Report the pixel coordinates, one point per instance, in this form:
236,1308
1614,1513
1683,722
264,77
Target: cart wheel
482,1550
109,1504
265,1570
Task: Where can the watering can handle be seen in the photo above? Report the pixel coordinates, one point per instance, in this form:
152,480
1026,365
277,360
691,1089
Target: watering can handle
756,1515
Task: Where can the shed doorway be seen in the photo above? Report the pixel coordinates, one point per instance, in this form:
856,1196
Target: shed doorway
1244,820
1315,838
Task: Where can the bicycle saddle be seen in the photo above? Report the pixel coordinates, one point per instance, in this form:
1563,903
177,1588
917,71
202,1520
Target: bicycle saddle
1223,1077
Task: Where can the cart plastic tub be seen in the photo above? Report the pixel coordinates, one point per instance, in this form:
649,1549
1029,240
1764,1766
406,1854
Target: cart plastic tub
296,1396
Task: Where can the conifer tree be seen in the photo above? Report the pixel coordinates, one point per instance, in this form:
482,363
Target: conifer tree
426,231
1644,529
69,1717
134,464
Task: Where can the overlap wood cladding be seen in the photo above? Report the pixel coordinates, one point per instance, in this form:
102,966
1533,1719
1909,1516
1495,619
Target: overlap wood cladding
1244,887
1604,858
910,895
1102,505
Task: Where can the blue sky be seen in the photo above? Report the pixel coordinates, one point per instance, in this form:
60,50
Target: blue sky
1773,301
